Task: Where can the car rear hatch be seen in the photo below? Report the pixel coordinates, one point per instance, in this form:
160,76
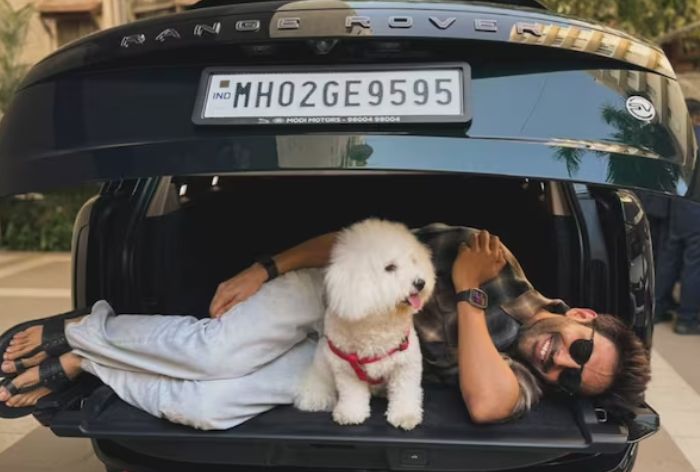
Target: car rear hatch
543,98
130,102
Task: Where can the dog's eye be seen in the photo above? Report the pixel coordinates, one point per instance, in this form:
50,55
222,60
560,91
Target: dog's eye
390,268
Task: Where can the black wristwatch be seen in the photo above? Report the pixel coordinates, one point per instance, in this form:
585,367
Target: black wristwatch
269,264
475,297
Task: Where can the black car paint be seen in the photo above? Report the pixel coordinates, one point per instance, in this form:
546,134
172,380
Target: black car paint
125,124
119,458
618,251
561,110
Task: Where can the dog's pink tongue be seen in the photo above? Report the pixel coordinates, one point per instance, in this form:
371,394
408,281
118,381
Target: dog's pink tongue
415,301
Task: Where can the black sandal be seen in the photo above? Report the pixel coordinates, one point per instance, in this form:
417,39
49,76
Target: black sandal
53,338
51,376
19,366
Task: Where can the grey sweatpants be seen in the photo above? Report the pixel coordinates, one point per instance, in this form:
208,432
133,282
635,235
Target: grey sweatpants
208,373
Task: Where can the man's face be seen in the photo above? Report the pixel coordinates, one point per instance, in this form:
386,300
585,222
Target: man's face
545,344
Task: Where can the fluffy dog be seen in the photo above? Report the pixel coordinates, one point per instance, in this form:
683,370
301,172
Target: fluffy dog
379,276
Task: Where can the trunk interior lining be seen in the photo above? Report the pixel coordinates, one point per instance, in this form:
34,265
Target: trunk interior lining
218,231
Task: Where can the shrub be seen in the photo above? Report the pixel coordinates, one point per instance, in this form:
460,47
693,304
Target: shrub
41,222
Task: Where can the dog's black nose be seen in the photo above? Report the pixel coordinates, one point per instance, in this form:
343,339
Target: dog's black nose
419,284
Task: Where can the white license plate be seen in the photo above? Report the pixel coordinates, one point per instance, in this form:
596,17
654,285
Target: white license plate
342,95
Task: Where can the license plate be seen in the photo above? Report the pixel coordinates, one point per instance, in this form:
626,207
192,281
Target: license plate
334,95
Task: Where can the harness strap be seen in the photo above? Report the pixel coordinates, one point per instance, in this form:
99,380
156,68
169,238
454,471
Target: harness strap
357,362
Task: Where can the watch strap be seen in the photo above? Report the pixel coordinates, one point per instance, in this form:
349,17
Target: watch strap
475,297
269,264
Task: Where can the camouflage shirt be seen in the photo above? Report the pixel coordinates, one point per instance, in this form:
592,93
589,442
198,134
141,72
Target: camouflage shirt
512,301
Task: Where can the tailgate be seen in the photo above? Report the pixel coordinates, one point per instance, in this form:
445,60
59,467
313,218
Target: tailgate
447,439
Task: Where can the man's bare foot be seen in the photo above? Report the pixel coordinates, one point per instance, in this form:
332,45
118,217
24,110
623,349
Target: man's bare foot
22,344
71,366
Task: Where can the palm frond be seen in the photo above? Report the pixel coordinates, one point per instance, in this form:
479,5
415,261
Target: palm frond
14,24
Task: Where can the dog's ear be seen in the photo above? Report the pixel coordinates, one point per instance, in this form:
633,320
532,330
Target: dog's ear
350,281
349,288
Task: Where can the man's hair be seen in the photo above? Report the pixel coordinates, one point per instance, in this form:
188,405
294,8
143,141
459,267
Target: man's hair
632,373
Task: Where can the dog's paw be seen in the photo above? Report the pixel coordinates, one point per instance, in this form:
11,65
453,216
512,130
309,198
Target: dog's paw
405,418
315,401
349,413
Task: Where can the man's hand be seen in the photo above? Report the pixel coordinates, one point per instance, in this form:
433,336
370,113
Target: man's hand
480,261
237,289
312,253
482,369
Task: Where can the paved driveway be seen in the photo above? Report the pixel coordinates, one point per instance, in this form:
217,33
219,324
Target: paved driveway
34,285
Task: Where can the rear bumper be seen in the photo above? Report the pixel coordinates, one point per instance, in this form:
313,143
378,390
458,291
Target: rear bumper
118,457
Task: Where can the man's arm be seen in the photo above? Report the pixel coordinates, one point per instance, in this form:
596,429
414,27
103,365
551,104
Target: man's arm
489,387
314,252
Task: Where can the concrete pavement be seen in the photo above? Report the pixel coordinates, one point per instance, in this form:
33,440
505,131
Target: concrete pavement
35,284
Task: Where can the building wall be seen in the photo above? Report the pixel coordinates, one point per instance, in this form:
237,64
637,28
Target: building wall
47,32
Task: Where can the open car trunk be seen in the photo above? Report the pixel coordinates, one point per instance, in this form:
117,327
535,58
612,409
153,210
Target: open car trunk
536,98
198,231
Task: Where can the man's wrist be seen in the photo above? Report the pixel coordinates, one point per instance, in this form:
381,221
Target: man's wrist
474,297
461,286
267,263
469,311
260,271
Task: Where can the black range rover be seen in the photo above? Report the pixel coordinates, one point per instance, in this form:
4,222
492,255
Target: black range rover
235,129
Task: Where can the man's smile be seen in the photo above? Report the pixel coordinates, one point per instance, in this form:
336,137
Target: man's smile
543,352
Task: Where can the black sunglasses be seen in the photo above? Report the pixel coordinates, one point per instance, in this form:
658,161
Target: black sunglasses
580,351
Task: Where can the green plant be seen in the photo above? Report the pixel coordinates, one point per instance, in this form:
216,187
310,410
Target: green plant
647,18
13,30
41,222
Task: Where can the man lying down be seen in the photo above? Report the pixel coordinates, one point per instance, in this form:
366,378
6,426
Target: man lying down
485,330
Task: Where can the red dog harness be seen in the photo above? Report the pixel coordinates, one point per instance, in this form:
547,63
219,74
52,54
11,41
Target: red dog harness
357,362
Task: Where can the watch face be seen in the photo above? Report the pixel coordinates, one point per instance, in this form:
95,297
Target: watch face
478,297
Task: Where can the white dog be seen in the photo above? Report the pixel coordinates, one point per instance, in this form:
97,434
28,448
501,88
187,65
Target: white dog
379,276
